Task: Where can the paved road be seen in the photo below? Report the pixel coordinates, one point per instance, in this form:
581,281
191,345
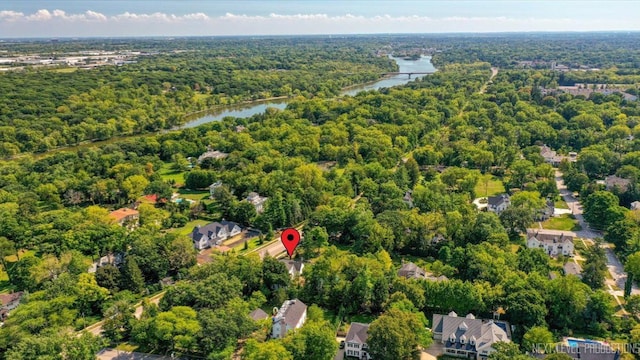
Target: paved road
616,269
96,329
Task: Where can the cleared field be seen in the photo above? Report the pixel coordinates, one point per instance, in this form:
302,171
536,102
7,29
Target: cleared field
563,222
493,187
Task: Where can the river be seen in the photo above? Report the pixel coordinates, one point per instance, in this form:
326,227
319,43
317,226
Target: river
422,65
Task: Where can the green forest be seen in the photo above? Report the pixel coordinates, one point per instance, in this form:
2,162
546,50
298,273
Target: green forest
340,168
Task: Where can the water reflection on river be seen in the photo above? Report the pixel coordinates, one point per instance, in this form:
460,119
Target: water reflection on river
422,65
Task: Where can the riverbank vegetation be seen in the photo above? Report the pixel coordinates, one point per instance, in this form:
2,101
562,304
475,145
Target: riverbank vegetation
376,179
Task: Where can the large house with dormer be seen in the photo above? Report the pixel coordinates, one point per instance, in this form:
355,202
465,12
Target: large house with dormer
356,341
499,203
213,234
468,337
553,242
290,316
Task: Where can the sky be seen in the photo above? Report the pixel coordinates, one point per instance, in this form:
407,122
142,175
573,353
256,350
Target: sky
82,18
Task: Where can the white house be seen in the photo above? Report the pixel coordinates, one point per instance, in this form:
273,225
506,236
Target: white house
212,154
257,201
294,267
356,341
551,241
213,234
498,204
635,205
291,315
468,337
213,187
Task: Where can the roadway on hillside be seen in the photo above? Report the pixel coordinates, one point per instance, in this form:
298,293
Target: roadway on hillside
615,267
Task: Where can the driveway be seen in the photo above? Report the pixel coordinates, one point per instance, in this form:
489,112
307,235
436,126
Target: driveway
340,354
432,352
613,264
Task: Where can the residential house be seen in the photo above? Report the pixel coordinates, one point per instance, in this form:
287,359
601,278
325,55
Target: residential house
635,205
356,341
410,270
408,198
294,267
547,211
258,314
291,315
551,241
469,337
498,204
9,302
213,234
614,182
126,217
572,268
257,201
240,128
552,158
109,259
213,187
212,154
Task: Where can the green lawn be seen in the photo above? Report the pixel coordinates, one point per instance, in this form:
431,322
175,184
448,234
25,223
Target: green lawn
491,188
196,195
564,222
186,230
168,174
560,204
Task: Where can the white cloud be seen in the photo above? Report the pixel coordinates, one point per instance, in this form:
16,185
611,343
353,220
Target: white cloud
92,23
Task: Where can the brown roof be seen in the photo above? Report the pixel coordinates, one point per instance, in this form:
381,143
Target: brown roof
258,314
550,236
123,213
6,299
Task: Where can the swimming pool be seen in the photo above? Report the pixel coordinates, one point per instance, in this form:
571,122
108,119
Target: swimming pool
578,342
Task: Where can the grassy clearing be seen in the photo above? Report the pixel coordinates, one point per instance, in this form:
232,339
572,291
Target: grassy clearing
186,230
127,347
252,244
168,174
561,204
196,195
564,222
65,70
493,187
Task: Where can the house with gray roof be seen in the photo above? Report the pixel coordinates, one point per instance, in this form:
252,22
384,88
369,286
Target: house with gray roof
553,242
291,315
213,234
589,351
257,201
615,182
468,337
410,270
212,154
356,341
294,267
498,204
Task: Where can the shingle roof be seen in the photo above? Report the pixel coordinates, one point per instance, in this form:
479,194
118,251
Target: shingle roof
293,264
258,314
411,270
484,333
589,352
497,200
549,236
358,333
6,299
211,230
291,312
123,213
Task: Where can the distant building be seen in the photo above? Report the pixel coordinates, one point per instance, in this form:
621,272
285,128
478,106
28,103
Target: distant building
213,234
126,217
551,241
356,341
635,205
552,158
257,201
9,302
614,182
410,270
258,314
408,198
109,259
468,337
498,204
291,315
294,267
547,211
240,128
588,350
213,187
212,154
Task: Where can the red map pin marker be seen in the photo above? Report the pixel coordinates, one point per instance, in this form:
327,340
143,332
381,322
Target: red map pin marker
290,239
